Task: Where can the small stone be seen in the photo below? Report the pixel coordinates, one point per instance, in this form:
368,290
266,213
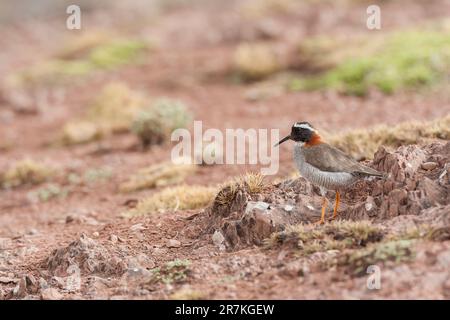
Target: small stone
172,243
138,272
32,232
370,204
20,290
137,227
429,165
259,205
70,218
288,208
96,234
51,294
218,238
113,238
43,283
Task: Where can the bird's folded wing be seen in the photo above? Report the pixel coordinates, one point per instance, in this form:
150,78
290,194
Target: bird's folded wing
327,158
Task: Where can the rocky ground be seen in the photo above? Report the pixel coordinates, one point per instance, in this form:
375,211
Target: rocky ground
247,244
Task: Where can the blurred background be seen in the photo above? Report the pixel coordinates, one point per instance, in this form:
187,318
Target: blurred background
231,64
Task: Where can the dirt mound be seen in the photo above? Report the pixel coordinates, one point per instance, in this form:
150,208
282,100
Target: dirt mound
416,183
85,255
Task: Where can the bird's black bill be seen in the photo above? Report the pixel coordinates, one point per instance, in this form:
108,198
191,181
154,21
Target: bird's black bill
282,140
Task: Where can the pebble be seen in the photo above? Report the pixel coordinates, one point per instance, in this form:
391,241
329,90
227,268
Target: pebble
20,290
137,227
113,238
172,243
259,205
96,234
288,208
429,166
217,238
51,294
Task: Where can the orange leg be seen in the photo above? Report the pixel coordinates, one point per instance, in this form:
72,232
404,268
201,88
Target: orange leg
336,205
324,208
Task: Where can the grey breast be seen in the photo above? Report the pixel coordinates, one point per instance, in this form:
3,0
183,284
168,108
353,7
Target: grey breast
321,178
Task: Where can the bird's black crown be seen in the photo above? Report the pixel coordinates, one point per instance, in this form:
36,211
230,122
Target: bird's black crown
302,131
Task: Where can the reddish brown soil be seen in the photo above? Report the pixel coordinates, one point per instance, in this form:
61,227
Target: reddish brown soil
195,48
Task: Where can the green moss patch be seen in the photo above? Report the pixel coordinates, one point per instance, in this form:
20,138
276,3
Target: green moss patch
401,60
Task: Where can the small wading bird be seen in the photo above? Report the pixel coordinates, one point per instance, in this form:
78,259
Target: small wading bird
323,165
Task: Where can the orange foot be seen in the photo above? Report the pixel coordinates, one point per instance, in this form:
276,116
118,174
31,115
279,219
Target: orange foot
324,207
336,206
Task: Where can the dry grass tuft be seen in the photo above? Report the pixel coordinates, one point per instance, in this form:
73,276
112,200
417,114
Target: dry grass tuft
77,132
155,124
25,172
357,261
115,107
362,144
187,294
111,111
158,175
255,61
337,235
182,197
253,183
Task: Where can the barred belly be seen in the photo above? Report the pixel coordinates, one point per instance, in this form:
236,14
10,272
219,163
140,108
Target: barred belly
324,179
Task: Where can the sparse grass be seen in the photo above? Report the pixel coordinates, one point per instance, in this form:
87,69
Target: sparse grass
226,194
116,53
175,271
253,183
158,175
402,60
155,124
80,58
90,176
26,172
115,107
187,294
49,192
362,144
255,61
97,174
336,235
357,261
184,197
78,132
112,110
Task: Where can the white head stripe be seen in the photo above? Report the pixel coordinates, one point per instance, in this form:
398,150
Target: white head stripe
304,126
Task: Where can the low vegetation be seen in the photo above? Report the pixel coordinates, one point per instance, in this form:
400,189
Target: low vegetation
255,61
49,192
253,183
172,272
188,294
26,172
184,197
112,110
155,124
336,235
401,60
357,261
362,144
82,57
159,175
